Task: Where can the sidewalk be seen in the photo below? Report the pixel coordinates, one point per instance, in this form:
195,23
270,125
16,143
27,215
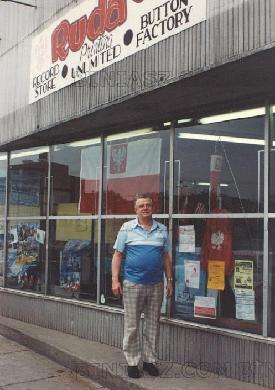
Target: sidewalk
23,369
106,365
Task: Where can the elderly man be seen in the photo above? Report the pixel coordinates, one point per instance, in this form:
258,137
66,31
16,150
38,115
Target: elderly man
144,244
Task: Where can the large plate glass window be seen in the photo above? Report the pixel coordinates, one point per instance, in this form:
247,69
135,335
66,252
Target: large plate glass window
75,178
28,182
137,161
218,271
26,255
2,252
271,229
3,174
110,229
219,163
73,249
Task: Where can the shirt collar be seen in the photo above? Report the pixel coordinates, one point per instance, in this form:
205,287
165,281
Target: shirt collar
154,226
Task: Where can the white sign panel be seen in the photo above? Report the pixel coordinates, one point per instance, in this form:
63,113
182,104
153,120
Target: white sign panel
205,307
192,273
245,304
98,33
187,238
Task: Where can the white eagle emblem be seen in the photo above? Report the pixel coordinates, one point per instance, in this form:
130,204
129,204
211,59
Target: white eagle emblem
217,240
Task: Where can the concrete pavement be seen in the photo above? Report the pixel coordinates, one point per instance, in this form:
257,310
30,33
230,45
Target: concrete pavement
106,365
23,369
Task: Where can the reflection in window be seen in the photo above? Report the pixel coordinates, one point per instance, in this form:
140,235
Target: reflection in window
271,202
136,162
218,272
3,177
26,255
2,253
110,230
75,170
220,165
72,258
28,182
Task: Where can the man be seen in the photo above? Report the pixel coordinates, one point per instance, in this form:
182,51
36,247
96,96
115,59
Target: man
144,244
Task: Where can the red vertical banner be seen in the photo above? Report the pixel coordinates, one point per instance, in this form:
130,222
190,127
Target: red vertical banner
215,174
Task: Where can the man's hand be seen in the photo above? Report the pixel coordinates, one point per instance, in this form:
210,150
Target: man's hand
116,262
116,288
169,289
169,274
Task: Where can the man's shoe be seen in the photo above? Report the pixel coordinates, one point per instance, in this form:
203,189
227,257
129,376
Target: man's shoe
133,371
151,369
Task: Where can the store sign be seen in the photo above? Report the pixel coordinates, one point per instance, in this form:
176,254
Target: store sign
98,33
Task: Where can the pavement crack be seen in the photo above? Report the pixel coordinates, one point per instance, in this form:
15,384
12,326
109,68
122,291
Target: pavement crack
29,381
11,352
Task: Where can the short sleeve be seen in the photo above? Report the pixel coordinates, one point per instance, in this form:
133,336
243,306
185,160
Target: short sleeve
121,240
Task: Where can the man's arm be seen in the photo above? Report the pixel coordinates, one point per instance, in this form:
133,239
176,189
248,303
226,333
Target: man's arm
116,264
169,274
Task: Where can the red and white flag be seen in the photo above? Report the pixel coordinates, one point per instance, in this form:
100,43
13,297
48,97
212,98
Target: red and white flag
89,179
133,167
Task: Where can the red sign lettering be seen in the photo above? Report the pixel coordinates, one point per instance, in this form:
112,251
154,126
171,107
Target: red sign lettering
70,36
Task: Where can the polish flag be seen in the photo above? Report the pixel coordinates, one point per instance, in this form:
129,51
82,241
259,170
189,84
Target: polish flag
133,167
89,180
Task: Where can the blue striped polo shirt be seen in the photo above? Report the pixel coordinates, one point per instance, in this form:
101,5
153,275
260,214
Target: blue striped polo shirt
143,250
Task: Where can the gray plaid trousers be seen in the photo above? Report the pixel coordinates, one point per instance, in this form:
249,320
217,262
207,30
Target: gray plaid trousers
138,298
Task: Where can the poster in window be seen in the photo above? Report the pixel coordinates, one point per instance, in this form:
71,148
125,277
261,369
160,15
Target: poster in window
205,307
187,238
243,276
245,304
185,292
216,275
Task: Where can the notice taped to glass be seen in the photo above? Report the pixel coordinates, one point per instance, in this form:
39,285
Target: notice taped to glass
205,307
216,275
243,276
98,33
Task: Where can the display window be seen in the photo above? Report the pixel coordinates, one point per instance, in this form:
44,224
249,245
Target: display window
2,253
271,319
28,188
137,161
217,255
3,178
26,255
75,178
218,270
110,229
73,247
271,200
219,164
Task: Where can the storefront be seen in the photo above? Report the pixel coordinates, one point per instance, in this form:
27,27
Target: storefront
177,102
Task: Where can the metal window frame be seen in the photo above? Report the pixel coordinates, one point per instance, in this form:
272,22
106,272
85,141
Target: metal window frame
6,221
266,259
171,216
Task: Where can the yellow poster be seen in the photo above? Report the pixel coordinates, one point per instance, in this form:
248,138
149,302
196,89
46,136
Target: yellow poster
216,275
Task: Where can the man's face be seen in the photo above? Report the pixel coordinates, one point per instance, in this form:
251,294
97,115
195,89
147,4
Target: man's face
143,207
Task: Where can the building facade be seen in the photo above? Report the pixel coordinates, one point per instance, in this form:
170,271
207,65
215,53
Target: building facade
103,99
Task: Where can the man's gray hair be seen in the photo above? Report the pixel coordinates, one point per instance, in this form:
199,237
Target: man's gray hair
142,195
